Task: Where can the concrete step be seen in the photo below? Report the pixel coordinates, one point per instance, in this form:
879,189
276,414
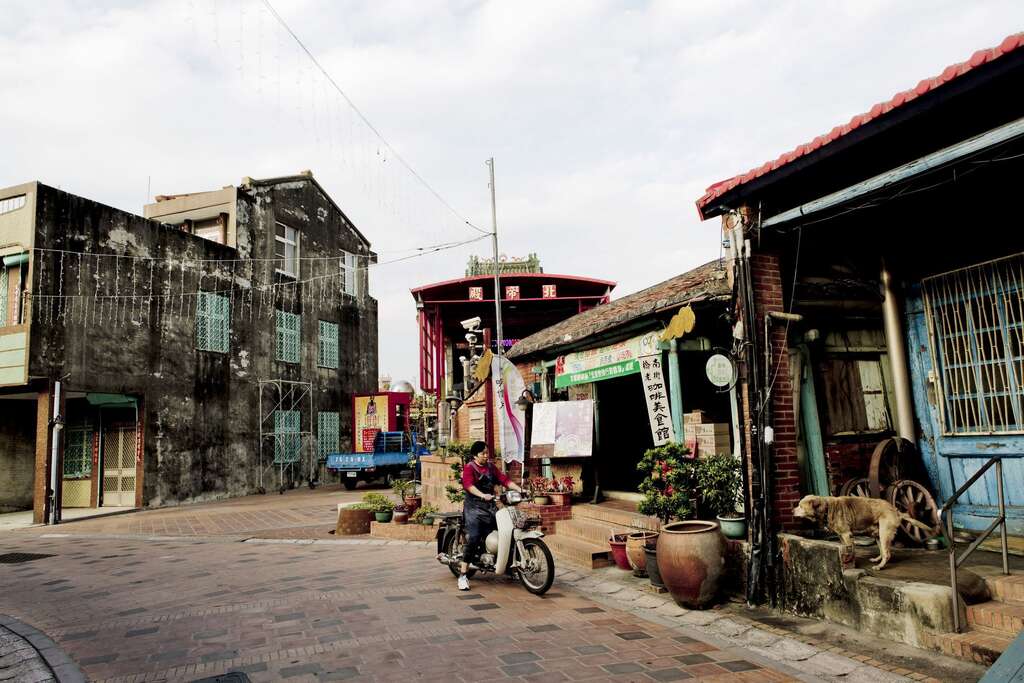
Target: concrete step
979,644
614,515
590,531
578,552
1002,617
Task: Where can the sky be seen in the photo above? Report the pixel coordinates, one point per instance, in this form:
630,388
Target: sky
606,120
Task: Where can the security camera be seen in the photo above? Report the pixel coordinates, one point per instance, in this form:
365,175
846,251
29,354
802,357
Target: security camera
471,338
472,324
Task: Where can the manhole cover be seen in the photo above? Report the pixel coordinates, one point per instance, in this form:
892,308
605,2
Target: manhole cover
229,677
18,558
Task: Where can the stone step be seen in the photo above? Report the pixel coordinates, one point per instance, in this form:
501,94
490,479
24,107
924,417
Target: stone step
578,552
979,644
1002,617
1004,587
591,531
614,515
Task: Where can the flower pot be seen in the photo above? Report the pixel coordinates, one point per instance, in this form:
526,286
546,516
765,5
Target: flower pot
733,527
691,556
383,516
635,543
413,503
541,500
400,517
651,557
618,546
353,522
428,520
560,498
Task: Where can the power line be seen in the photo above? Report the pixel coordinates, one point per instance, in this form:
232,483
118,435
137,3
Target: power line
366,121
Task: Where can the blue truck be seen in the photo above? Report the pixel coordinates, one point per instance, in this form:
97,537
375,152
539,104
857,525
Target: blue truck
395,455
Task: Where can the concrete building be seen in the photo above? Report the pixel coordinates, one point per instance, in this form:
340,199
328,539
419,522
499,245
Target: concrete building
206,350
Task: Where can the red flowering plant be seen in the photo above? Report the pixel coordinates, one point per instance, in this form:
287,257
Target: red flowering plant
668,482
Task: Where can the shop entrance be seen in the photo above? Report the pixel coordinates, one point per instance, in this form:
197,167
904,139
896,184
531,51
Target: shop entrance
624,433
119,444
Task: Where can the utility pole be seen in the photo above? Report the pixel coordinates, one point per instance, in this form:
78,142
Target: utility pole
497,278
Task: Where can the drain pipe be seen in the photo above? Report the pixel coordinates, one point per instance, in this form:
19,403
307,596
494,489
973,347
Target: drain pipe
896,346
56,425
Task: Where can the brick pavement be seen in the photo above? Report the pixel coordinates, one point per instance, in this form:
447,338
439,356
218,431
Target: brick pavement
21,662
184,609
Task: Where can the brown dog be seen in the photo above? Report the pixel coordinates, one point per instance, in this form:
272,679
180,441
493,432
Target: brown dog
846,515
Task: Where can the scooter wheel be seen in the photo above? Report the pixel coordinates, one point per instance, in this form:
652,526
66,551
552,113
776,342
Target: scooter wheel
539,558
453,547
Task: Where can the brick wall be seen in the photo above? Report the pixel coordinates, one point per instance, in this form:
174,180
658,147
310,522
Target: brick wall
549,514
768,297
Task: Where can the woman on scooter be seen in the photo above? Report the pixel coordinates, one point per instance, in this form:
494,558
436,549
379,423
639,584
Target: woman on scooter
479,478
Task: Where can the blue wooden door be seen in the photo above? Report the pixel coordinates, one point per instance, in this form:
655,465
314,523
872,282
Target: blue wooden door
952,458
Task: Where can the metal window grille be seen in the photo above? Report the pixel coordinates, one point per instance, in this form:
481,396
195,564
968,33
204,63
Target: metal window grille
287,440
976,329
78,453
327,351
328,425
288,325
213,322
4,289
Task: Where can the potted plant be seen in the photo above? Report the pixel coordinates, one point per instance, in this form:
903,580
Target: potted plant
561,490
668,483
617,542
424,515
405,489
718,480
539,490
400,514
381,505
635,544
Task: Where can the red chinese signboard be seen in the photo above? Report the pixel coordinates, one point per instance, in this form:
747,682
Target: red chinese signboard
512,292
549,291
476,293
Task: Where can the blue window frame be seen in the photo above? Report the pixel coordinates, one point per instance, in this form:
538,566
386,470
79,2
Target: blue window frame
327,345
78,453
288,336
213,322
287,437
328,428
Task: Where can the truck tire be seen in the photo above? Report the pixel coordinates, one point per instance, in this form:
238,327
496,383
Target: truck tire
349,484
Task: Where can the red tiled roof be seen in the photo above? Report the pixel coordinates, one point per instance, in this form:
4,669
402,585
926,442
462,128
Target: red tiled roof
1011,43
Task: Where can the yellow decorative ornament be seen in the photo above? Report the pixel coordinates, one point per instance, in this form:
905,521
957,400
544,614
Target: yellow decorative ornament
483,366
681,323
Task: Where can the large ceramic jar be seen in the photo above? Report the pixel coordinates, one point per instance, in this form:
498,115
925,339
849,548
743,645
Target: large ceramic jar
635,543
691,556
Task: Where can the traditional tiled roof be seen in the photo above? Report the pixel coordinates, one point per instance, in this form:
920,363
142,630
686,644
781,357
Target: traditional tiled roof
700,284
948,74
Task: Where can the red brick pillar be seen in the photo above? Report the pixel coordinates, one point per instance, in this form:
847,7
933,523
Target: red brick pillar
44,413
783,470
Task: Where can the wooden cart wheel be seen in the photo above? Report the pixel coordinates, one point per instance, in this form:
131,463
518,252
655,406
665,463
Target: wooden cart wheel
911,498
856,487
887,463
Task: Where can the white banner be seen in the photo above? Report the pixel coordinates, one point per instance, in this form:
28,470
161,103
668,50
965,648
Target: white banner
658,409
508,387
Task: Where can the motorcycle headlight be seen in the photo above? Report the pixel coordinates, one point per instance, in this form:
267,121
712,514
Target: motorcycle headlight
513,497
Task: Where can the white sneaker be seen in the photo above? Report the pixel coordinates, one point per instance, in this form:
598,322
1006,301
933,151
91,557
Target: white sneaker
463,582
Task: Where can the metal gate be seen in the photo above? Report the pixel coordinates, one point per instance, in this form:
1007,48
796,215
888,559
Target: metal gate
119,474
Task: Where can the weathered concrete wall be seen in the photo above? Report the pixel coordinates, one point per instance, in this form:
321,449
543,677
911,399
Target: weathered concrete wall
815,585
199,409
17,454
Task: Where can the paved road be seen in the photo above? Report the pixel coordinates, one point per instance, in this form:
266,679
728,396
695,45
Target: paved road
131,609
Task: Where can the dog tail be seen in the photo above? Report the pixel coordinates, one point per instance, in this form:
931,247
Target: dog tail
921,525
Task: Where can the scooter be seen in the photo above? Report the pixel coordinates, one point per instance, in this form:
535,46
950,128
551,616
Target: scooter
515,548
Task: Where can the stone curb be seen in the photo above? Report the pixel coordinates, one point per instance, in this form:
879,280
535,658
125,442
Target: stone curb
63,667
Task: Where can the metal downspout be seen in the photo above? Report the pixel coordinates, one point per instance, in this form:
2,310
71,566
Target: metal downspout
897,349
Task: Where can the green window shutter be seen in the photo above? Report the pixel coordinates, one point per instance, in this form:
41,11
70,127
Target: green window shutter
213,322
78,453
327,434
288,326
327,346
287,440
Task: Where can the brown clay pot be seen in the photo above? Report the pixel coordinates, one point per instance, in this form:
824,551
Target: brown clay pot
617,542
413,503
635,543
691,557
400,517
353,522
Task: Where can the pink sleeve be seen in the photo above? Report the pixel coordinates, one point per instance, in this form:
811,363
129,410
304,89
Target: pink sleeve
502,477
468,479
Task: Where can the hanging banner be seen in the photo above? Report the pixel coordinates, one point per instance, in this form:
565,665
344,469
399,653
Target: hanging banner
606,362
582,392
657,400
371,415
508,387
562,429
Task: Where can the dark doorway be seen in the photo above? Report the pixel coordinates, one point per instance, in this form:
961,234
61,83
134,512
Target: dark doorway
624,432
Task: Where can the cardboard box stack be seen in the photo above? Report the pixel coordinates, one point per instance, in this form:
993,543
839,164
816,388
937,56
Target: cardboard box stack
705,437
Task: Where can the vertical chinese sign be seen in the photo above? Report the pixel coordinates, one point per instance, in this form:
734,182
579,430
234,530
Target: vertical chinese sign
657,400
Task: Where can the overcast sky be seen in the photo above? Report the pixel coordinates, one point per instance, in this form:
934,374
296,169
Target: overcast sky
606,119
